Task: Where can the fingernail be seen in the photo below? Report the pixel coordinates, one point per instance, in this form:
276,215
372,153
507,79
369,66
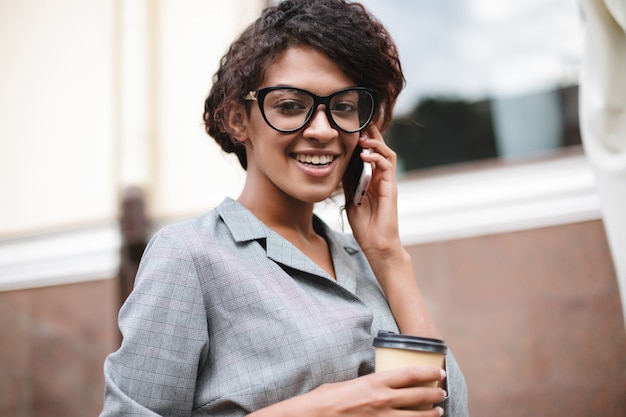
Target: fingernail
439,410
443,373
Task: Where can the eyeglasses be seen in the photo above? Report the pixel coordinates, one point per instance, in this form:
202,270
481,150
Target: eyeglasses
287,109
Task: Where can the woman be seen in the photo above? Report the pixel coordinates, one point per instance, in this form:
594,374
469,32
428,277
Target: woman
258,308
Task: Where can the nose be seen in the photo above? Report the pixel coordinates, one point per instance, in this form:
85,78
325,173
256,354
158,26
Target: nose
319,127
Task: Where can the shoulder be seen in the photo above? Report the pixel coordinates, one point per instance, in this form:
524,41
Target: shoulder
191,238
190,232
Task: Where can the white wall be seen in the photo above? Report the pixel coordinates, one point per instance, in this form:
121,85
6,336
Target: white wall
192,172
100,94
56,115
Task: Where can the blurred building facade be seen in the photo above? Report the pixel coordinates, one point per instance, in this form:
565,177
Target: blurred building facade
98,96
104,95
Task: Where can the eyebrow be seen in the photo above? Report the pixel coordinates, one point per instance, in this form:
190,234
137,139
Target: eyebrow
308,91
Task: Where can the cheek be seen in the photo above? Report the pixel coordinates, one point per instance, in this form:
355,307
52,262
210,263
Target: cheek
257,130
351,143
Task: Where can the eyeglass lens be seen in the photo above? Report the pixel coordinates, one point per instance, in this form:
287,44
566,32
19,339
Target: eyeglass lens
288,109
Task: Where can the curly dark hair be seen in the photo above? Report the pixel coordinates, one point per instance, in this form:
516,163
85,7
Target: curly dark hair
350,36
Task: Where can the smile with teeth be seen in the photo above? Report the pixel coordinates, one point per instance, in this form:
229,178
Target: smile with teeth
319,160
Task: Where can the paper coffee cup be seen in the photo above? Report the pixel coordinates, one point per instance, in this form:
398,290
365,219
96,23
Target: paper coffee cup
395,351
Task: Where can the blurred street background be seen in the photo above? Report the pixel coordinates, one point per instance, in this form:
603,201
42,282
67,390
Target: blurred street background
101,143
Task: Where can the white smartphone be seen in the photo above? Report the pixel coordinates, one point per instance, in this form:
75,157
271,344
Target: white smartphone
364,182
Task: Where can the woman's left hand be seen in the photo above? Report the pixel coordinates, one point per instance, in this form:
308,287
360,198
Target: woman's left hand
375,226
375,222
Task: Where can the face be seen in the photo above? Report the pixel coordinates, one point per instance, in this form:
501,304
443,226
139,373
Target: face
308,164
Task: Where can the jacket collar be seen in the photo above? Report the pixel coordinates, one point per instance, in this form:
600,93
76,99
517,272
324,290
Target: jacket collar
245,226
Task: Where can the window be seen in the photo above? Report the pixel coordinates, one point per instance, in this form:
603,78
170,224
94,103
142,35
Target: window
485,79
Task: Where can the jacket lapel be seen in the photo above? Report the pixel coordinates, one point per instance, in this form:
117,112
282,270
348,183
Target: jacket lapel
245,226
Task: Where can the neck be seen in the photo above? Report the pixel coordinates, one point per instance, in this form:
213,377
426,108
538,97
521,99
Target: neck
290,218
283,214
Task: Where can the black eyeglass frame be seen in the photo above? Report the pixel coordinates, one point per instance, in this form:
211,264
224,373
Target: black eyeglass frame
259,97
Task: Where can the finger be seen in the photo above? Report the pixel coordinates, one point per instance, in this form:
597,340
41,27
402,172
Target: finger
376,155
418,397
411,376
433,412
373,132
373,139
378,148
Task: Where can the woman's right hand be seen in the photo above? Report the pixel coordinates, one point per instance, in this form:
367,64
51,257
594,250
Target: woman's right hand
382,394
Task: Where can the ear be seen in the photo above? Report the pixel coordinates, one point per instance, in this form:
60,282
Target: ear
237,121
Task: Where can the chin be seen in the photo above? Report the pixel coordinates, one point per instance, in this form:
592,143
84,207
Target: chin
314,195
317,198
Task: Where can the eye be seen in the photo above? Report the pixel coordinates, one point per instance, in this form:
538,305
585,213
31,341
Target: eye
344,107
289,106
286,102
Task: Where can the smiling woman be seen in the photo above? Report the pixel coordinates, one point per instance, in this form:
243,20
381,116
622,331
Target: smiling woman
280,175
259,308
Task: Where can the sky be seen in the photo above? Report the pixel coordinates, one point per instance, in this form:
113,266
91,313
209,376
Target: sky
474,49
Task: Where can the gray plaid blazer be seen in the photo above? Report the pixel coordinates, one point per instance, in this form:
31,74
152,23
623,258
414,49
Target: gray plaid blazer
227,317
